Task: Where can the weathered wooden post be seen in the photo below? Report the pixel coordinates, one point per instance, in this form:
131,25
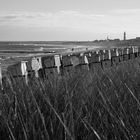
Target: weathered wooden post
115,57
125,54
29,67
131,53
83,62
36,65
49,67
1,77
101,54
94,61
67,66
120,52
106,63
57,62
135,50
75,61
24,71
18,72
138,51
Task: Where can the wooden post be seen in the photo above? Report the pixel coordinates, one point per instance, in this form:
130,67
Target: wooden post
114,57
67,66
107,59
125,54
131,53
135,48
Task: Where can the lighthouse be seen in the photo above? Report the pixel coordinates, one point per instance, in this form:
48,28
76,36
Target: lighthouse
124,36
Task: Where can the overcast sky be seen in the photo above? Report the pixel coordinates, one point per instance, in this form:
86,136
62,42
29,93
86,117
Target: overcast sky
68,19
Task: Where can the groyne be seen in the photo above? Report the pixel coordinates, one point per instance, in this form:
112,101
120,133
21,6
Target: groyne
57,65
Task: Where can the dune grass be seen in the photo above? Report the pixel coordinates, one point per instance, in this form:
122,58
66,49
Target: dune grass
102,105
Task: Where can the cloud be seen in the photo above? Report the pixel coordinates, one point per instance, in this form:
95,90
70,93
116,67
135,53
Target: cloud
115,21
126,11
66,19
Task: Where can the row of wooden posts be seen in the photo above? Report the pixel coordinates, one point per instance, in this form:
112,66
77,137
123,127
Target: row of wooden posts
58,65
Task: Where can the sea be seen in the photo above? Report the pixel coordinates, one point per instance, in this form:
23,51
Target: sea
13,51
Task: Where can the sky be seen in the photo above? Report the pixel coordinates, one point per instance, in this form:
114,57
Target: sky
67,20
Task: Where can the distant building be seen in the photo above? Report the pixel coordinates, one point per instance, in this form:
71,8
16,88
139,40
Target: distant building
107,39
116,40
124,36
137,38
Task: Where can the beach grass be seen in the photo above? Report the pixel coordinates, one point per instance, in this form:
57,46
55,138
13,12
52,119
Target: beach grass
102,105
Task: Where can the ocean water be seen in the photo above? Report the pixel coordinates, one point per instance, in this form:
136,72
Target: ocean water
31,48
12,52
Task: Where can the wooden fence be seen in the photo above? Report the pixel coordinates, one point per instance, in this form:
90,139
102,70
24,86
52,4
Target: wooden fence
65,64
